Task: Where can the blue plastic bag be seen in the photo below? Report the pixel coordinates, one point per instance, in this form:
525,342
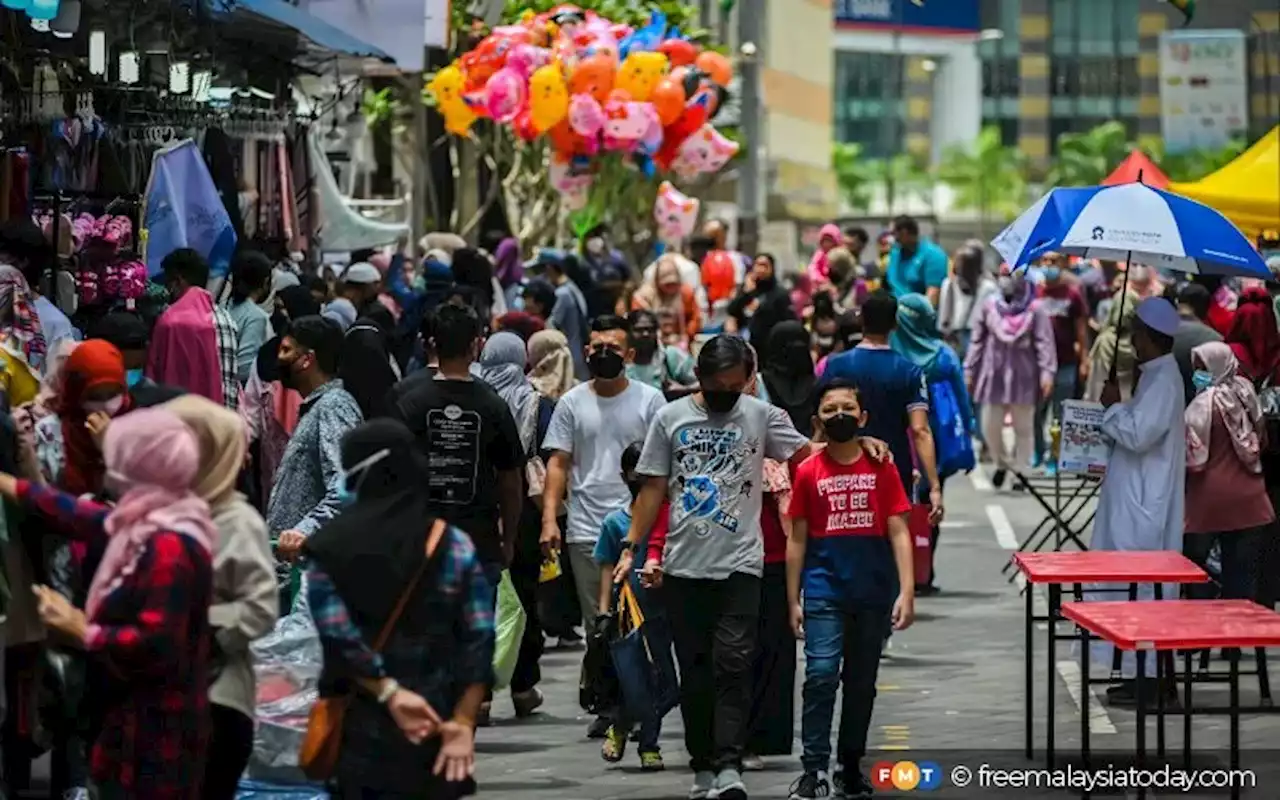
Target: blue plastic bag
951,439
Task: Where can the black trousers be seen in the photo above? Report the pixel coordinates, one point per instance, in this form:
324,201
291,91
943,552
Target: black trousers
714,624
230,745
525,569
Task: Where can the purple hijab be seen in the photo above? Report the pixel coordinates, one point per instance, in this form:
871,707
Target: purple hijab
507,266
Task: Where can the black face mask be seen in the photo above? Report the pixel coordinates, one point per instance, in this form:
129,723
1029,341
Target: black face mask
605,363
842,428
646,347
766,284
720,401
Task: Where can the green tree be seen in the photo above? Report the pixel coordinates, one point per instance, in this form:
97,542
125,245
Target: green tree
854,175
987,176
619,195
1192,165
1086,159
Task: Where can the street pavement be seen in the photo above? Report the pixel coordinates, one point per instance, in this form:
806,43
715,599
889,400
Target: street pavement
950,691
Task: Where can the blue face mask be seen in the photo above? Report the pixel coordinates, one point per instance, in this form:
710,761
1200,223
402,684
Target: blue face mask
1052,273
134,377
348,494
1201,379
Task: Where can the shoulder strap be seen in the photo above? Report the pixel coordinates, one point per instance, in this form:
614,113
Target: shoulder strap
433,542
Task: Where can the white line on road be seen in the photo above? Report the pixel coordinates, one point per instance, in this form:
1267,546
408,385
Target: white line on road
1099,721
1002,527
978,477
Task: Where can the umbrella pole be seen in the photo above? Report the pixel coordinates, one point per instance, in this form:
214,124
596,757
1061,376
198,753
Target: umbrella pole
1124,293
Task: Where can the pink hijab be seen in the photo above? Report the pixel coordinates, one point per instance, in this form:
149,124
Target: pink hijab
152,459
819,265
184,347
1232,398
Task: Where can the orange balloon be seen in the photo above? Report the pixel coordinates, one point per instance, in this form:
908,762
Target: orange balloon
716,66
680,52
594,76
668,100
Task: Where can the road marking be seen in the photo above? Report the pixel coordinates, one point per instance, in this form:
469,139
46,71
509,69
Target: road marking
1099,721
956,523
978,477
1002,527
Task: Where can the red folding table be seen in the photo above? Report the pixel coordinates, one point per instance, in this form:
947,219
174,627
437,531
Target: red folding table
1080,568
1168,625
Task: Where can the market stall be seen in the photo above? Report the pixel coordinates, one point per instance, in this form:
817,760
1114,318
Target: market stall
1247,190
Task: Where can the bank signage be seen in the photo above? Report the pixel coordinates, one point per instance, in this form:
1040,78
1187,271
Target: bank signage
925,16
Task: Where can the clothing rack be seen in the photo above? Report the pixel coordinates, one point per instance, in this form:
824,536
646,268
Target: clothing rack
56,203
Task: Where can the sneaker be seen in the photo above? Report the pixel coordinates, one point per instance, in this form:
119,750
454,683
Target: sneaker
599,727
615,745
482,718
703,783
811,785
78,793
853,785
997,478
752,763
527,702
729,786
651,761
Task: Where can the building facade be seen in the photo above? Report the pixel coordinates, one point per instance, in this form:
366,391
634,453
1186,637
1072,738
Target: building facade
916,75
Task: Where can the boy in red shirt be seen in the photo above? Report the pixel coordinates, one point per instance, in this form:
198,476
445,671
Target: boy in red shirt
850,552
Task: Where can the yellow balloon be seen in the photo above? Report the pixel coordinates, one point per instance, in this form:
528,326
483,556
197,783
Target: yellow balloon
548,97
446,86
639,73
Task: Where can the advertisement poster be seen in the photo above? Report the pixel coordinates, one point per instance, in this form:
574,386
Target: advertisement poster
1204,90
1084,448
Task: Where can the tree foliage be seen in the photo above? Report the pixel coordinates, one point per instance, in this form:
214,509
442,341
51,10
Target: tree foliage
859,179
1086,159
987,176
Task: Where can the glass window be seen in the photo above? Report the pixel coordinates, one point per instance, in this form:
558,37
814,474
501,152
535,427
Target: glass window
869,108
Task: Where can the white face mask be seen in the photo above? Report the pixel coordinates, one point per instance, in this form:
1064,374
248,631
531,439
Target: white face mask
595,245
109,407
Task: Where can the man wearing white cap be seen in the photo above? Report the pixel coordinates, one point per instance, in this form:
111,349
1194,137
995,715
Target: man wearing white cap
1141,504
359,285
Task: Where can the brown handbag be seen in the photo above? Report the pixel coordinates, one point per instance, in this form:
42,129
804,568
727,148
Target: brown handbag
321,744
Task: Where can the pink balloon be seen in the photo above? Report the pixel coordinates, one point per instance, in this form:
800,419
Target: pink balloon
675,212
505,95
585,115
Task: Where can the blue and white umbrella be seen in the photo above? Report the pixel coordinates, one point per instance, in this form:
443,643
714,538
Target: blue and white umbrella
1131,222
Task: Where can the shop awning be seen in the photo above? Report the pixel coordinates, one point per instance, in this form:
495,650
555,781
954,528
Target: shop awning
316,31
1246,191
1134,166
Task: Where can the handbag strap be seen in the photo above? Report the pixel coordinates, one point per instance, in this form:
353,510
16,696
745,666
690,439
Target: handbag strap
433,541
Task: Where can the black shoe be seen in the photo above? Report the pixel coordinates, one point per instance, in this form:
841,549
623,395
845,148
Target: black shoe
997,478
853,785
1122,688
599,727
810,786
1129,699
928,590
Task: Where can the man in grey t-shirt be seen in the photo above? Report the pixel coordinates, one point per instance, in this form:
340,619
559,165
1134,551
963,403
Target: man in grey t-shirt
705,454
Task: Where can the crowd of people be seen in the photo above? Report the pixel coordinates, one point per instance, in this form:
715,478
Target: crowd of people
377,445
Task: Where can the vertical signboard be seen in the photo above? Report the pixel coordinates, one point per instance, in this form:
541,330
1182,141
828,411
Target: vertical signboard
1204,89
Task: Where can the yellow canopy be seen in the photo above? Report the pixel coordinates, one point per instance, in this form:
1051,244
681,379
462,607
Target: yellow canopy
1247,190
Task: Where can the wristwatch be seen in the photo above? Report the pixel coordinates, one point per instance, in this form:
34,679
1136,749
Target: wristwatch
388,691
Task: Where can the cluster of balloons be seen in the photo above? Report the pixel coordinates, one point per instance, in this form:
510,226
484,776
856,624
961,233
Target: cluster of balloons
593,86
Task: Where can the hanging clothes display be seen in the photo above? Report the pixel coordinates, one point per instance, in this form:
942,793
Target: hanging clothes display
184,209
341,227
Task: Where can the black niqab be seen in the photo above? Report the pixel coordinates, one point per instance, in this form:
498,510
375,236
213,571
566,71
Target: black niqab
789,375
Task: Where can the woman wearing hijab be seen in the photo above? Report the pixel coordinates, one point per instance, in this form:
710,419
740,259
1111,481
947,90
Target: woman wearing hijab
430,677
508,269
819,272
917,339
145,619
502,367
245,592
1010,367
1114,345
788,373
22,345
550,364
761,303
269,409
1227,500
673,301
1254,338
963,292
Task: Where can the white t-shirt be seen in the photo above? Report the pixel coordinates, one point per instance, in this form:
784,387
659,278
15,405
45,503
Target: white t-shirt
594,431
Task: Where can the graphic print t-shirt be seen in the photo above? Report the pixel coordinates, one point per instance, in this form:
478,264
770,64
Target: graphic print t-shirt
714,464
467,433
848,559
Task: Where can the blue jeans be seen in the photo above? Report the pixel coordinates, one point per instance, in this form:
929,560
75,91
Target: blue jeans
841,649
657,632
1064,388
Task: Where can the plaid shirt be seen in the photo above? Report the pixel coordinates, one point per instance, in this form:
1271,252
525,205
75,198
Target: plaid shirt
228,351
467,659
152,634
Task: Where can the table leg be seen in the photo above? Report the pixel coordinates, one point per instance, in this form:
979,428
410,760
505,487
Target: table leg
1028,667
1160,679
1084,695
1186,709
1055,606
1235,723
1140,733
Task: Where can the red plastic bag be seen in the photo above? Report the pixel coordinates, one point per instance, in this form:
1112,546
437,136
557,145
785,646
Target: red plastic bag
921,534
